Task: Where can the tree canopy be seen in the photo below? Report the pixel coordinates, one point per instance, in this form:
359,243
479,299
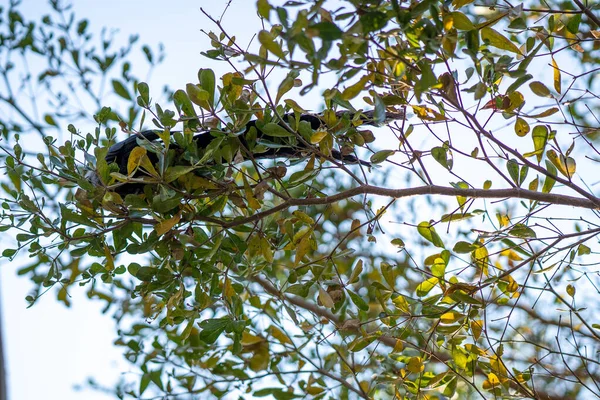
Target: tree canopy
459,261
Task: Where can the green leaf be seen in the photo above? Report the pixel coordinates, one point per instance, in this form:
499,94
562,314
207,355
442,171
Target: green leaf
522,231
206,77
212,329
461,22
327,30
549,181
463,247
182,102
276,130
373,21
513,170
540,138
496,39
197,95
266,39
426,230
440,154
540,89
120,89
361,342
358,301
144,92
264,8
381,156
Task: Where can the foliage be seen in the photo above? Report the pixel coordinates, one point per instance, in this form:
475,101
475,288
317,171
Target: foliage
314,278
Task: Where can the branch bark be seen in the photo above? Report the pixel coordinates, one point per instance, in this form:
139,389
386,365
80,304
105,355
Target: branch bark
518,193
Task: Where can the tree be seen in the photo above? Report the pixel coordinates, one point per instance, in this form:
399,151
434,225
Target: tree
473,275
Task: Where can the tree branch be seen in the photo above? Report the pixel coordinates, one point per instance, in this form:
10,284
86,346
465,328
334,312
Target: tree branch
519,193
588,12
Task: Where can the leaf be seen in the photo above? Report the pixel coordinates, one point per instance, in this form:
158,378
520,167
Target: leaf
279,335
276,130
425,287
120,89
361,342
134,160
426,230
557,78
522,231
182,101
212,329
358,301
356,272
381,156
263,8
286,85
571,290
440,154
327,30
521,127
463,247
496,39
565,165
252,202
172,173
512,167
266,39
415,365
325,298
540,138
206,78
352,91
373,21
546,113
451,317
461,22
166,225
317,136
196,94
540,89
549,181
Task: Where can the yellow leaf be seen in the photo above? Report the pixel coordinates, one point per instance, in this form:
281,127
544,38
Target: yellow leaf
279,335
398,347
451,317
265,249
557,80
521,127
571,290
318,136
301,249
167,224
352,91
476,328
252,202
135,158
415,364
496,39
325,298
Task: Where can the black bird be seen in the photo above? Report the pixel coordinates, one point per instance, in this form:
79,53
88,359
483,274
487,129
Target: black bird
119,152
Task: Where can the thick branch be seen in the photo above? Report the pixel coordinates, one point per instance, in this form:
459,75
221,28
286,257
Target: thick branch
518,193
588,12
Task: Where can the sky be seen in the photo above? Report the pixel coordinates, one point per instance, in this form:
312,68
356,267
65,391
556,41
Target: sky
50,348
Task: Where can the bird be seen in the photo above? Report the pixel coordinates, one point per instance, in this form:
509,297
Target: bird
120,152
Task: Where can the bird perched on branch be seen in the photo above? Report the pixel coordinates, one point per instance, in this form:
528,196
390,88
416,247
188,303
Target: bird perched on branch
284,143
